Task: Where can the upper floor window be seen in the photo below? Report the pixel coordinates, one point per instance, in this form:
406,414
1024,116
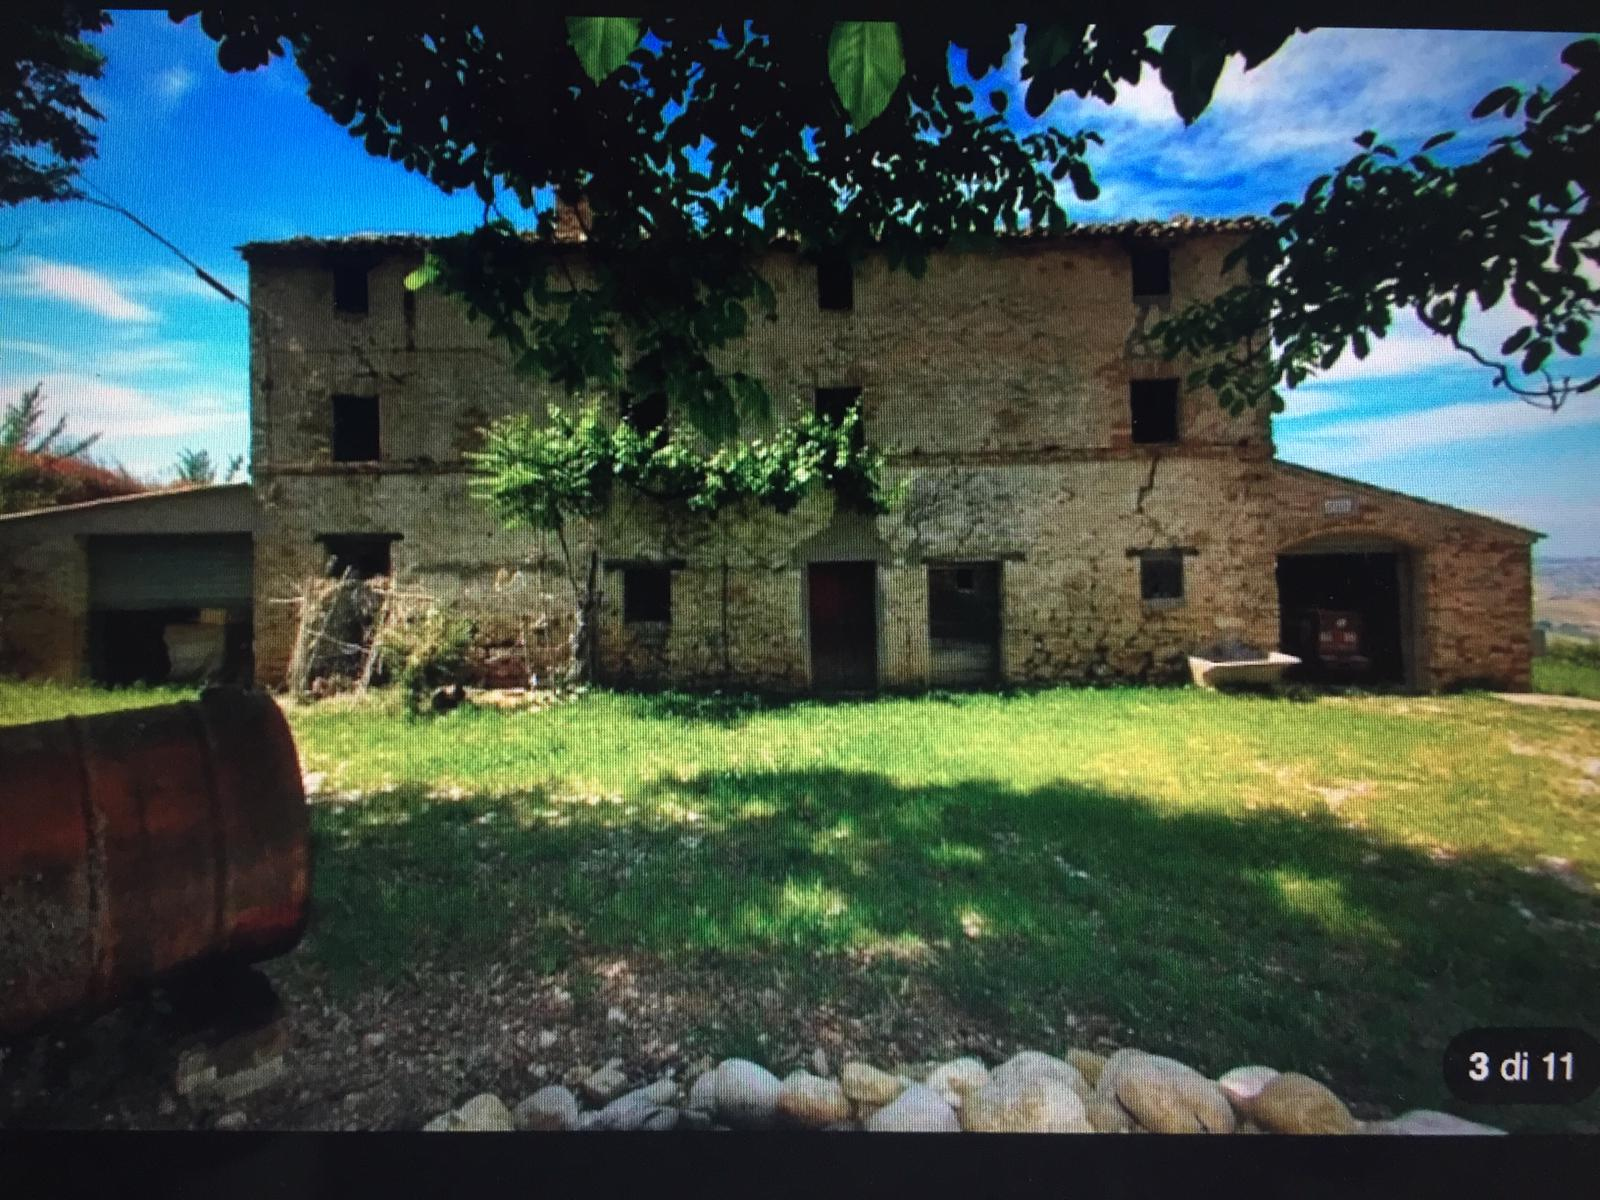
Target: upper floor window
833,403
836,283
1161,575
355,429
1153,405
647,595
1152,271
363,555
350,286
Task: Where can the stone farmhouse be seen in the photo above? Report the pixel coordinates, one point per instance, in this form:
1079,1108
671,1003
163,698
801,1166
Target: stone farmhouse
1074,512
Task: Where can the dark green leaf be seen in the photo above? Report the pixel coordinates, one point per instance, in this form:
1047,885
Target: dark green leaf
1437,139
603,43
1191,62
865,63
998,100
1498,98
1534,358
1579,55
1082,182
1572,337
1516,341
1365,139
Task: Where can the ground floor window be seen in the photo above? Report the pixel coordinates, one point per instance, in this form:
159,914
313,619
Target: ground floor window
963,623
1161,575
363,555
647,595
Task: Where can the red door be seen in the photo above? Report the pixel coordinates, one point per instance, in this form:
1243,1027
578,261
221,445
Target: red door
841,600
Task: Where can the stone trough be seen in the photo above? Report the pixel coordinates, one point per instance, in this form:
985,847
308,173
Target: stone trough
1240,672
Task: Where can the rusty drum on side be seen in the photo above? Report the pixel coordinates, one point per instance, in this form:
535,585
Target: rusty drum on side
136,842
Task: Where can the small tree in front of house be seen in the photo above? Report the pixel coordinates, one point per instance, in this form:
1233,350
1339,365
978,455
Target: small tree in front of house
551,476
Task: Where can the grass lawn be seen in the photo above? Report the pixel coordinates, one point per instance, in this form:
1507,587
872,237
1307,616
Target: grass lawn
1336,886
1571,668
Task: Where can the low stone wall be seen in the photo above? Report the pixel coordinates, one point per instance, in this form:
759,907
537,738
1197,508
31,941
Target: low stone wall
1032,1092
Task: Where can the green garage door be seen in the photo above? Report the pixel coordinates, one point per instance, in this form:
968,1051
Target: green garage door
131,572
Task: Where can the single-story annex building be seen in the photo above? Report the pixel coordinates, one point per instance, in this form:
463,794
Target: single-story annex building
140,588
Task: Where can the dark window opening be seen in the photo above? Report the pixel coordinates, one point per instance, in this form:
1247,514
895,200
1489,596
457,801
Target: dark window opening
832,405
1154,410
1161,575
836,283
170,645
646,414
1152,271
355,429
963,624
363,555
647,595
350,287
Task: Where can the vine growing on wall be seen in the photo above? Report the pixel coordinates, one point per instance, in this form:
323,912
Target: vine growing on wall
549,475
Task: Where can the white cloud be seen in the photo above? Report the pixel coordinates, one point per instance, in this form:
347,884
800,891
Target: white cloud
80,287
173,83
52,356
1339,445
142,428
183,283
118,410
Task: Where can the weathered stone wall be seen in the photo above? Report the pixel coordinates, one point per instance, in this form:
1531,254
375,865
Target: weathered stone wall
1471,577
998,384
44,601
44,567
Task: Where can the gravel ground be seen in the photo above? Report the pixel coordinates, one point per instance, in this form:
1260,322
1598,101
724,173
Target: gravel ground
396,1057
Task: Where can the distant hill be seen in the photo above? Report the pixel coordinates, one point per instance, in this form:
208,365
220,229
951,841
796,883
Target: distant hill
1566,596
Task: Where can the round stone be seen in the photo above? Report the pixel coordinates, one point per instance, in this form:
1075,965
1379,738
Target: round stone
1293,1103
549,1110
954,1079
747,1094
917,1109
868,1085
812,1102
1243,1084
1031,1064
1012,1105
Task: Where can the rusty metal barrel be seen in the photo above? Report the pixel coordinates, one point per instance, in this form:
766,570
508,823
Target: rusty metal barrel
139,842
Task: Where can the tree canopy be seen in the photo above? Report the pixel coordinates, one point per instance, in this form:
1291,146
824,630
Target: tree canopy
43,129
691,140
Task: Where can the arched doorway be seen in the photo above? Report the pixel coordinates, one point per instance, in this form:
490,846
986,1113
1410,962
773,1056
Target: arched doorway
1347,610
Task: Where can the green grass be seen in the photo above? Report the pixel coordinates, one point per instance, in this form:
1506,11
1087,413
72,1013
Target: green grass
1336,885
1570,668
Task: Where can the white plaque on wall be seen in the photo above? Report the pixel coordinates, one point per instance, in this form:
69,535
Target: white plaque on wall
1338,506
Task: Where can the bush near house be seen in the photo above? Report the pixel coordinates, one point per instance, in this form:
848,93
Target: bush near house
29,481
1335,885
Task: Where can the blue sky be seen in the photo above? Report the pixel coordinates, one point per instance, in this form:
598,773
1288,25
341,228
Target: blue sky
127,341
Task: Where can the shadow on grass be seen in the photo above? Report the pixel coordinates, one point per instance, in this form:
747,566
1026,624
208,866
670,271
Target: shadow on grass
1221,939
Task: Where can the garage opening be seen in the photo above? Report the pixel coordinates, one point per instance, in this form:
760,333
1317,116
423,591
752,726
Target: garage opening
964,624
841,603
170,609
1346,614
